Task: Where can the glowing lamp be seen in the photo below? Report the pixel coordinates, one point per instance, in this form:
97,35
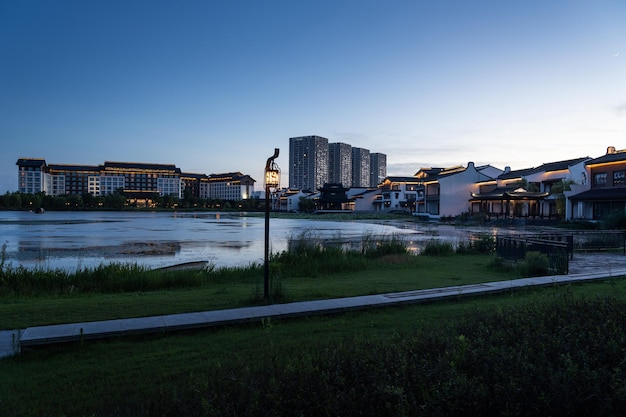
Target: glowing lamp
272,175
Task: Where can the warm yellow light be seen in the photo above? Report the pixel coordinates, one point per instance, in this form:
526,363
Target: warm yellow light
272,178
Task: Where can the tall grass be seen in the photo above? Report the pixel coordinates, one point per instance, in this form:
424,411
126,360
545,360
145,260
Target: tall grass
307,255
105,278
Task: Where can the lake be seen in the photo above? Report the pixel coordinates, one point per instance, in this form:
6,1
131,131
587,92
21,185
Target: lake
71,240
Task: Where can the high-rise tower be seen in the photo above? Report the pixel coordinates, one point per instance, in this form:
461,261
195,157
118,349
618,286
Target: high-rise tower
378,168
308,162
360,167
340,167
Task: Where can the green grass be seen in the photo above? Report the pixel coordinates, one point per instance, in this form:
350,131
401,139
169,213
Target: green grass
391,273
385,361
143,375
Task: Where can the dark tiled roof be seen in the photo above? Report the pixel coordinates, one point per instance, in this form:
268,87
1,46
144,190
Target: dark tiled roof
605,194
610,157
428,173
403,179
560,165
518,173
31,162
63,167
451,171
141,165
192,175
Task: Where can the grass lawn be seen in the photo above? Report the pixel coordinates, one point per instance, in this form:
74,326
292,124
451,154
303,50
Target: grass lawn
388,274
128,376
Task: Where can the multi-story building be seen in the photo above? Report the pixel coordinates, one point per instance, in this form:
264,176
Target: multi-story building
447,191
360,167
340,166
602,190
308,162
231,186
400,194
378,168
33,176
138,181
195,185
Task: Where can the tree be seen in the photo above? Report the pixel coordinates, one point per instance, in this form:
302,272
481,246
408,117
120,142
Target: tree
306,205
558,190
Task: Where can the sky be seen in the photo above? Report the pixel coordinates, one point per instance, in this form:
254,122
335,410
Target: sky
214,86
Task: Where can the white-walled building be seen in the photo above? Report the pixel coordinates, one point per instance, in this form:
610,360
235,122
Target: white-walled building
230,186
400,193
448,192
289,200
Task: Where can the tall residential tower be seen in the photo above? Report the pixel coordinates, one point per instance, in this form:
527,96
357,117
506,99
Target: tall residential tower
360,167
378,168
340,168
308,162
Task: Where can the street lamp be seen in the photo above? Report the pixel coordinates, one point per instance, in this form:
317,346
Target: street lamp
272,180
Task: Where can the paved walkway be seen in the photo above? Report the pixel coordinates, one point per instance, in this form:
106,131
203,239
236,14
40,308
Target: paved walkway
582,268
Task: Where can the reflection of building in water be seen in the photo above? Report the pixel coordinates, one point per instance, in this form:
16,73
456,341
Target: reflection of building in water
138,181
29,250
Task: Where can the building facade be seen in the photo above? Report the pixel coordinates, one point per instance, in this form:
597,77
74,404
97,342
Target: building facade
233,186
340,163
360,167
400,194
308,162
602,190
138,181
378,168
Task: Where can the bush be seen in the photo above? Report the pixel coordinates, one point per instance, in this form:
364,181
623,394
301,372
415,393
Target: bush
535,264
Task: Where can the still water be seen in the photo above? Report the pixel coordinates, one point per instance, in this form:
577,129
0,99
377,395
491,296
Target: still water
72,240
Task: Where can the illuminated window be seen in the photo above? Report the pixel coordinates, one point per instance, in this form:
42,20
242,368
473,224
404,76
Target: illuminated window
599,179
619,177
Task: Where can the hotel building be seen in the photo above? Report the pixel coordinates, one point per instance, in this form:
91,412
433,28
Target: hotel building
134,180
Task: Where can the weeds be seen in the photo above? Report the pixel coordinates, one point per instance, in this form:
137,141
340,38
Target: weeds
438,248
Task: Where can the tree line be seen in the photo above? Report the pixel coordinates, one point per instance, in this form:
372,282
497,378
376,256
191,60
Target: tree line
118,201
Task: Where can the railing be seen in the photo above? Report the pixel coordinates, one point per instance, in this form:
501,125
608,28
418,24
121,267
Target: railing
600,241
557,248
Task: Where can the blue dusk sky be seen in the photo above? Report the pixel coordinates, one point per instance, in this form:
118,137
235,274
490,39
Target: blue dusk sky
214,86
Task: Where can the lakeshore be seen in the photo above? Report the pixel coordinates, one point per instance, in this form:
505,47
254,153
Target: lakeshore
71,240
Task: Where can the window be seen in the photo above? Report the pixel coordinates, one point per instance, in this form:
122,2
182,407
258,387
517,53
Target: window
599,179
619,177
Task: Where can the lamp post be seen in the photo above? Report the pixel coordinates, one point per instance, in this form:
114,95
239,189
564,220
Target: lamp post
272,179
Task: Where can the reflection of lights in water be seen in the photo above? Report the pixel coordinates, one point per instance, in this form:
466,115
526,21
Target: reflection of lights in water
69,239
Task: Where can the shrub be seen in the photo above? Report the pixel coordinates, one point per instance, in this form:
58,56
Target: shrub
535,264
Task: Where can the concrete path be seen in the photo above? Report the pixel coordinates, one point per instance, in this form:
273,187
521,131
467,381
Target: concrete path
593,267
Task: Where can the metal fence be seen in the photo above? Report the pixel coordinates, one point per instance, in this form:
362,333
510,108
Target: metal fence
557,248
600,241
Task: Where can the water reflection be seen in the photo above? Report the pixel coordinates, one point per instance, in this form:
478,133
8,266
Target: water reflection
73,240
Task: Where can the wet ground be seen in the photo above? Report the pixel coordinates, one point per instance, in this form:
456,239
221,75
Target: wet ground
584,263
